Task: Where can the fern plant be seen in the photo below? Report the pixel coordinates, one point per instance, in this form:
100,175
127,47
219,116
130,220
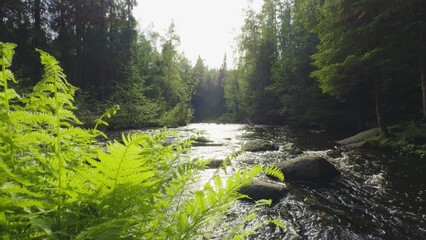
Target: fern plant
6,51
46,149
57,183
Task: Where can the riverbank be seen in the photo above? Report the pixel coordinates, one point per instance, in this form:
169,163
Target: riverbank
408,138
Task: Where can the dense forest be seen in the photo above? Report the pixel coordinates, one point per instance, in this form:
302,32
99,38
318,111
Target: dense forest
104,55
71,67
323,64
333,64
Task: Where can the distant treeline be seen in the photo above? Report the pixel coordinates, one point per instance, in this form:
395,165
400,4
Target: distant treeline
320,63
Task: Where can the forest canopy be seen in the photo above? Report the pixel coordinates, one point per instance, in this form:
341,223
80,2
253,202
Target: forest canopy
339,65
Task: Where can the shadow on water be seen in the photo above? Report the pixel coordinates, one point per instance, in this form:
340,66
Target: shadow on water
377,196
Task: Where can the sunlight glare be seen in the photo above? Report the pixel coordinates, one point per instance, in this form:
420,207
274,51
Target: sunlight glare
207,28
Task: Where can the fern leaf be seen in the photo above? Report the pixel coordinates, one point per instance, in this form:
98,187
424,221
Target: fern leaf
108,114
278,223
275,172
6,50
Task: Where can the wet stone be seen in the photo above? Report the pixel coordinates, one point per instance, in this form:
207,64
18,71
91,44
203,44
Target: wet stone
205,142
216,163
308,168
259,145
260,189
292,149
202,139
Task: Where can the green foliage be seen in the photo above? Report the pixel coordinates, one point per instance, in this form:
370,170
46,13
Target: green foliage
180,115
108,114
257,46
412,131
319,63
137,109
156,87
232,95
208,100
275,172
45,148
103,54
408,139
57,183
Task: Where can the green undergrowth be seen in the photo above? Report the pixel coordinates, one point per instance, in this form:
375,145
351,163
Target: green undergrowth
133,114
409,138
56,182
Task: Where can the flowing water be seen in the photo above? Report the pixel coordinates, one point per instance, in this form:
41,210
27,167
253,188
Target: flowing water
377,196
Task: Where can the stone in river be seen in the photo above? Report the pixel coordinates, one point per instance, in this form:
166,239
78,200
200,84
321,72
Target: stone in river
308,168
259,145
260,189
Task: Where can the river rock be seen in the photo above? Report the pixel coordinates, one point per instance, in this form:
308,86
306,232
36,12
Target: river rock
287,147
260,189
292,149
308,168
214,163
359,139
296,151
202,139
205,142
217,163
259,145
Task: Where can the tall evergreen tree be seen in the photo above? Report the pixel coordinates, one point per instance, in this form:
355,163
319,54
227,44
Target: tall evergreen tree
356,47
257,48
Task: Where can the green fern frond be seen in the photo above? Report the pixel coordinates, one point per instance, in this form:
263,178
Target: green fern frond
112,229
275,172
42,137
212,202
53,94
107,114
6,55
15,189
278,223
6,50
121,168
32,119
11,95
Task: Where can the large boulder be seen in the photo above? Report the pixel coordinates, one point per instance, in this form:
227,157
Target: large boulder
259,145
260,189
308,168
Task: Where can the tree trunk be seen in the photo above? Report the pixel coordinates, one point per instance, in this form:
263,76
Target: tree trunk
423,83
37,23
422,60
37,40
80,32
379,113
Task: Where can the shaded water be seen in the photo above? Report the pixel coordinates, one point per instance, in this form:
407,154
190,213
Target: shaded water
377,196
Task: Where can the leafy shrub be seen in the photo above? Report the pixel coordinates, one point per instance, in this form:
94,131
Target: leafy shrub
404,141
137,110
411,132
378,142
180,115
57,183
89,108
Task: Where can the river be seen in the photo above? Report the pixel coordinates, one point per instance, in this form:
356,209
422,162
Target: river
377,196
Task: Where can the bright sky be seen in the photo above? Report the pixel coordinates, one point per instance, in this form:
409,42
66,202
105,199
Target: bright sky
206,27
